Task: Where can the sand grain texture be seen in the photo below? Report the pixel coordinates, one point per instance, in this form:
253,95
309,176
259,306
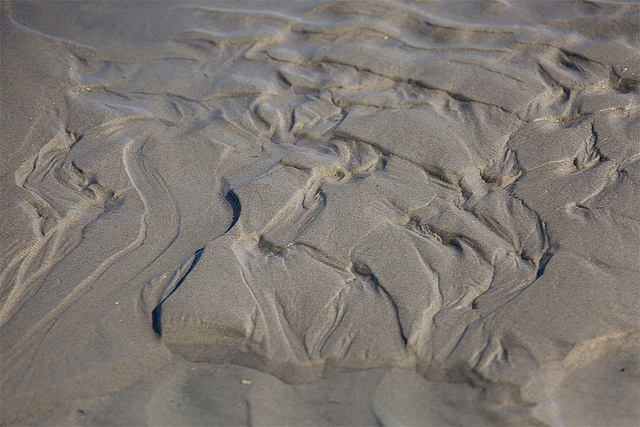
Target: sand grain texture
372,212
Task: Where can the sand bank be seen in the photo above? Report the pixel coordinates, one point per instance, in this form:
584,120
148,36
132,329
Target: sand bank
395,213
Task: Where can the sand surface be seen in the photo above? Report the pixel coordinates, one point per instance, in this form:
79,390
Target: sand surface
309,213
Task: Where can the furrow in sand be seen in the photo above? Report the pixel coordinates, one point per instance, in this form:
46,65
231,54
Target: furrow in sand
156,209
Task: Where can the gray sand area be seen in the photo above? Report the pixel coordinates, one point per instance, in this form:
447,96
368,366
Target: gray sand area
320,213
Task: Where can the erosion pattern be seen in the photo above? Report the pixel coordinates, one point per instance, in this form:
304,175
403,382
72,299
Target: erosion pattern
334,187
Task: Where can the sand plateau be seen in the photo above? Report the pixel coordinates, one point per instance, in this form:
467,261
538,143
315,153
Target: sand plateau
371,212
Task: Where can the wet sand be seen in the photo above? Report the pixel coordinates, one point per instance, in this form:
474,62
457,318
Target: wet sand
312,213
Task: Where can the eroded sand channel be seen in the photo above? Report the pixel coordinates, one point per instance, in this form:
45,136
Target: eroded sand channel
420,212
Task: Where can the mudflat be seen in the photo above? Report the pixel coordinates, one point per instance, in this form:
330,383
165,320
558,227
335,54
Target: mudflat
320,212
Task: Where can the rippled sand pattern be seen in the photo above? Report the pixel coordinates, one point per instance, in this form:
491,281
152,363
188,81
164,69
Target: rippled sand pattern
442,196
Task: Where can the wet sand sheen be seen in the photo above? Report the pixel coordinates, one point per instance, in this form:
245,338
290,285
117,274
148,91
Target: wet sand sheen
320,213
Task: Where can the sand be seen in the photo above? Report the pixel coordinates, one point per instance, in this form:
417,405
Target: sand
320,213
